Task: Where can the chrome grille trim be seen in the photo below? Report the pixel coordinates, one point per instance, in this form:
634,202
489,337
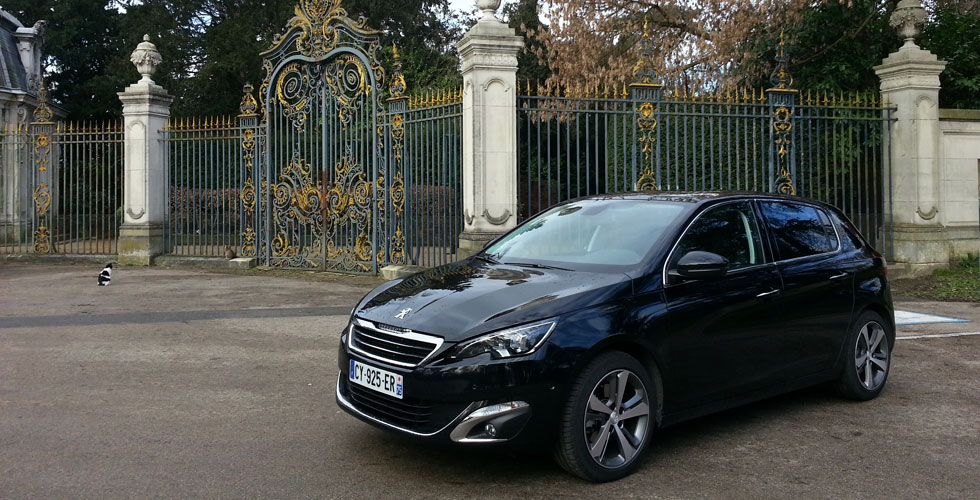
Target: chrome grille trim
389,333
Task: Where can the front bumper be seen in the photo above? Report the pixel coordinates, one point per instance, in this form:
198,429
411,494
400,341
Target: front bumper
440,399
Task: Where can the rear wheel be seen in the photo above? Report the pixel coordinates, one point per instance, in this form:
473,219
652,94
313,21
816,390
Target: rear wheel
608,420
867,359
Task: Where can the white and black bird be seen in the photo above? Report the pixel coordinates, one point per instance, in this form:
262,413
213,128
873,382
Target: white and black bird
106,275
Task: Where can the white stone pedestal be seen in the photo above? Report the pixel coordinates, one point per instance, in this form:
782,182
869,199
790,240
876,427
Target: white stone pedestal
489,53
910,82
146,111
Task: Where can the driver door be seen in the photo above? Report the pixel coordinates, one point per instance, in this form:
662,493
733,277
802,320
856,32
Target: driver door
720,327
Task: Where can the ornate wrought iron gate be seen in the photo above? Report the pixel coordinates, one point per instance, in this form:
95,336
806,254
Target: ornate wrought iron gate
328,196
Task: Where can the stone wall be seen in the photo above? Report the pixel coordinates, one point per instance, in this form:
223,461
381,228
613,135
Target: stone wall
959,153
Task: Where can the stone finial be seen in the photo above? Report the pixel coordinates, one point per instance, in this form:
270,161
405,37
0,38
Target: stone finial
146,58
488,7
907,18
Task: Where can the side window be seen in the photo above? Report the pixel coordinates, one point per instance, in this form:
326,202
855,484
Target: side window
730,231
799,230
849,238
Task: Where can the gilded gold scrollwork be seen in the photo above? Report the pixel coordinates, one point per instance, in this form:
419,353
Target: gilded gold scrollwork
647,124
249,106
398,246
347,79
292,92
782,127
42,199
42,240
248,243
647,181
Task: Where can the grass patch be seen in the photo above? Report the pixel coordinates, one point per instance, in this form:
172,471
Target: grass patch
958,284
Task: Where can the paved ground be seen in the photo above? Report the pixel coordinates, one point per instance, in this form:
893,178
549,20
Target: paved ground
190,384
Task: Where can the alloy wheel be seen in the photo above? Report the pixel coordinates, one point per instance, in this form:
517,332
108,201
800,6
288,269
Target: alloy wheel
617,419
871,355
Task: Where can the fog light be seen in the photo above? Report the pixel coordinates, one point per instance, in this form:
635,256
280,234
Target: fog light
493,423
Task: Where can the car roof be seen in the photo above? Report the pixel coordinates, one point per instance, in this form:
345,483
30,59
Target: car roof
696,197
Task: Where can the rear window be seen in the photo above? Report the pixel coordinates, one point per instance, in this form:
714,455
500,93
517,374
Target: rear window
799,230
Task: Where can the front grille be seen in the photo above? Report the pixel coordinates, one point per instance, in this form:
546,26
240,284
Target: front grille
402,348
410,414
406,412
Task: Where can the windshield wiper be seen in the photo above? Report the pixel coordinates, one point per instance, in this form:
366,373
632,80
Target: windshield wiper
537,266
485,257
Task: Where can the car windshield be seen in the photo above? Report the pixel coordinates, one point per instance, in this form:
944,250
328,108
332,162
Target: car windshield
589,232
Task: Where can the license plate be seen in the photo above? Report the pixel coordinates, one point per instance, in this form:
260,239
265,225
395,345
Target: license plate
376,379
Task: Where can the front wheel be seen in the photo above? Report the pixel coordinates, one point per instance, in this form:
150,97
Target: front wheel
867,358
608,420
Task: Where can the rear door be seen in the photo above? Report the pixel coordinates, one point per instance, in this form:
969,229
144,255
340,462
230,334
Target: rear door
818,285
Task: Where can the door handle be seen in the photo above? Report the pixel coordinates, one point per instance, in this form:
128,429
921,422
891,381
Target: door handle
770,293
839,276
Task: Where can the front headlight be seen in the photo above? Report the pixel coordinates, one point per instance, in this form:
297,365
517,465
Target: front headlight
507,343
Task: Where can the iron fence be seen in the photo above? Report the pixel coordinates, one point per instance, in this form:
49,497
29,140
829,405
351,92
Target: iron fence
432,165
610,140
205,181
15,191
62,188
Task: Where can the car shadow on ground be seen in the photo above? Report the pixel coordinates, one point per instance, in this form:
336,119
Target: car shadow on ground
480,466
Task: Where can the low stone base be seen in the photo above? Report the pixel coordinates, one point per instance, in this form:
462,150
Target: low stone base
471,243
396,272
917,250
139,244
208,262
964,242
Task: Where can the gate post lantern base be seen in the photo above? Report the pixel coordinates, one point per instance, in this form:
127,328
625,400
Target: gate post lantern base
489,60
146,111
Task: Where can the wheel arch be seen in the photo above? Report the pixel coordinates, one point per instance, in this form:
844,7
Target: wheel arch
639,352
889,317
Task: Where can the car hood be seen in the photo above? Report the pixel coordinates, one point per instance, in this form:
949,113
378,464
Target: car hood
459,300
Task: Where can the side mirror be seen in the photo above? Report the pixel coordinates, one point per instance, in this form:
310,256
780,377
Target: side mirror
699,265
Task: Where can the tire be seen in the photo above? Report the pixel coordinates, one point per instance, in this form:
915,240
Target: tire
867,358
617,424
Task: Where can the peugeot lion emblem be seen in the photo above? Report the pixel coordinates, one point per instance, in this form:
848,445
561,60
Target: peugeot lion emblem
403,312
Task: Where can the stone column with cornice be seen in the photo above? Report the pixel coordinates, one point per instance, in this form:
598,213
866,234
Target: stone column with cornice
146,111
910,83
489,54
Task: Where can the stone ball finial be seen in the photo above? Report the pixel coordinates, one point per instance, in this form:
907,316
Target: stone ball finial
907,18
489,7
146,58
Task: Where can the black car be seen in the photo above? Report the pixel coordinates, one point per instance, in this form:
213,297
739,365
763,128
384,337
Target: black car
604,318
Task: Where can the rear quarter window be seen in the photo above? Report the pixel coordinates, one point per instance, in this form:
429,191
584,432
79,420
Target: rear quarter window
799,230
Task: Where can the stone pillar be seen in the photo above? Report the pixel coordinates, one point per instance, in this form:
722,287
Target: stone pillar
146,110
910,83
489,53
